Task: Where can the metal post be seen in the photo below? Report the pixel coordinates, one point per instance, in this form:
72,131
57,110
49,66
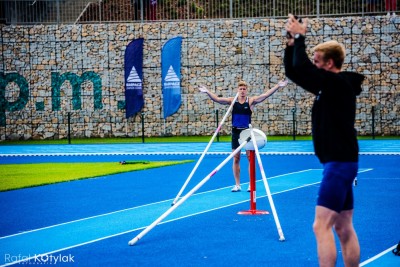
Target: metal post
100,9
141,11
294,123
273,8
230,9
142,117
216,115
373,122
252,180
188,10
58,12
253,206
69,128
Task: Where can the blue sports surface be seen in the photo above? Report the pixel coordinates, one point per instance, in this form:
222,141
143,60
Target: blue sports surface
90,222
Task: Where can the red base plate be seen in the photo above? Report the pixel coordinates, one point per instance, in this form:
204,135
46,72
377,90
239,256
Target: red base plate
253,212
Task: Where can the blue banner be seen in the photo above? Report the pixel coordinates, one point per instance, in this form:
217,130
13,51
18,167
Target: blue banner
171,75
134,77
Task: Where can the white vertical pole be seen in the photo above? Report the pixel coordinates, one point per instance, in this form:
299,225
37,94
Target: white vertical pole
271,202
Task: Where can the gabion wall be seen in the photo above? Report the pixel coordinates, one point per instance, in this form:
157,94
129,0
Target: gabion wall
51,75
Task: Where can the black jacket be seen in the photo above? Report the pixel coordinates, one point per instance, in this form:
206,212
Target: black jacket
334,108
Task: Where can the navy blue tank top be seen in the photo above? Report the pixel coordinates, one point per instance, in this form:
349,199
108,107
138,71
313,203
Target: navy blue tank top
241,114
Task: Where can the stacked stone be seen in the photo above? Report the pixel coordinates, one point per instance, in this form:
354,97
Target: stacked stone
50,61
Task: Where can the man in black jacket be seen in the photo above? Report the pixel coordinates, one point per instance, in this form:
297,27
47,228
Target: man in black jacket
334,138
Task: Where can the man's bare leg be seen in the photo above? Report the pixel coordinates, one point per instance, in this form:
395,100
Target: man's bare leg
236,168
348,238
323,223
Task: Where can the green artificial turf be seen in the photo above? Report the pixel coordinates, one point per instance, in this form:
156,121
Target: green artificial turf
17,176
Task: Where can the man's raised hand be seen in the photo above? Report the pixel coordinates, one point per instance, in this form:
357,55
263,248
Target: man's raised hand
282,83
203,89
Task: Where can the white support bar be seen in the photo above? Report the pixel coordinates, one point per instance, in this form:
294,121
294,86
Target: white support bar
205,151
271,202
184,198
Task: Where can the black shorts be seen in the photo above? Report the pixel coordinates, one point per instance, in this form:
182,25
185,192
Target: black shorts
336,190
235,137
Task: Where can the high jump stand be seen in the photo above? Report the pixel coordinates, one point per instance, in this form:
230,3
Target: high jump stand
258,139
253,210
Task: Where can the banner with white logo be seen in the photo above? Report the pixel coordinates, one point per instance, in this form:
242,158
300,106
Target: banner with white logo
134,77
171,75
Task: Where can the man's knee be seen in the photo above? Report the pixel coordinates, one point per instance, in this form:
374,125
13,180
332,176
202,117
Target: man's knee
324,220
340,230
318,228
236,159
344,225
344,232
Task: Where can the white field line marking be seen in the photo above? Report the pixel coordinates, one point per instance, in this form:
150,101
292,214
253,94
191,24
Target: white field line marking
377,256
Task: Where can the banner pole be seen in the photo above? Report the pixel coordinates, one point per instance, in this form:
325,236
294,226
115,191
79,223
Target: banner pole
142,118
205,150
164,128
